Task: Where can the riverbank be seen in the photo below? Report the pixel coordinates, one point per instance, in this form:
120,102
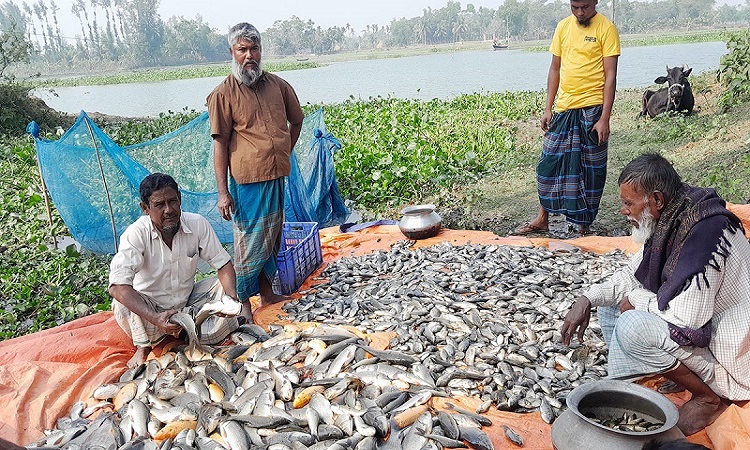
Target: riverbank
708,148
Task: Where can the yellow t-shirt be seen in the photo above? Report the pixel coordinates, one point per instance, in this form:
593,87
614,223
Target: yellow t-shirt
581,51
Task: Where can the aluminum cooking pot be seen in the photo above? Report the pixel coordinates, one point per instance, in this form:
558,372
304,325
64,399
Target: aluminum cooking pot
573,430
420,222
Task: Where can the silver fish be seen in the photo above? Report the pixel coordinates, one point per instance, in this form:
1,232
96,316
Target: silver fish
233,435
139,414
226,306
208,419
477,438
186,322
513,436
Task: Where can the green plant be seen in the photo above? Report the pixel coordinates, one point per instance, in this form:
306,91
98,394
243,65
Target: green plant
399,151
135,131
40,286
13,48
18,109
734,69
730,180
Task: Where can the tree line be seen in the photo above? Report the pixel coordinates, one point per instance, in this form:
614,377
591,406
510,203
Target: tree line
131,33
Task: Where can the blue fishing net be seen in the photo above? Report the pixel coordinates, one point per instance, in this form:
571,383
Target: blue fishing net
94,182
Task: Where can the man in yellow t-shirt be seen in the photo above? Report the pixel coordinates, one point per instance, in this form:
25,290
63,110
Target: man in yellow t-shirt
582,77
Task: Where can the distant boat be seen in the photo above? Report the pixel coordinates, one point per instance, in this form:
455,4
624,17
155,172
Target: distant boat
501,45
302,59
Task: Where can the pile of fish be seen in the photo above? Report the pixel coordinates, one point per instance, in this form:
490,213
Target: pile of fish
482,320
319,387
469,320
626,422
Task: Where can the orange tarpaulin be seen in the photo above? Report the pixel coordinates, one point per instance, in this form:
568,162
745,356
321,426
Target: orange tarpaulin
43,374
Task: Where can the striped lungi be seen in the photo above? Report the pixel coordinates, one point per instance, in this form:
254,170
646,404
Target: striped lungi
145,334
573,168
258,219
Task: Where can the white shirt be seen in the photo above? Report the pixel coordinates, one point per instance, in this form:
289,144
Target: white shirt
725,300
166,275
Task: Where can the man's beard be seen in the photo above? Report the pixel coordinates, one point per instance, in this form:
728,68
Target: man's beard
248,77
584,23
645,228
172,229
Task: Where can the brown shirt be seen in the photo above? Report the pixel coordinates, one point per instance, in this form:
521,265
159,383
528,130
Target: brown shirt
253,121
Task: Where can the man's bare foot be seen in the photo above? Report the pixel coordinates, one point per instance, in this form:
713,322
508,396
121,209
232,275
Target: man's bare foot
141,353
698,413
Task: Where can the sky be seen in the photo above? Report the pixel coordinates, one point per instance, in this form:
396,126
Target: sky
222,14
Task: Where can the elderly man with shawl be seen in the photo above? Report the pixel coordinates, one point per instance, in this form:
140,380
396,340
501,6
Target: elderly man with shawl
255,120
682,306
573,166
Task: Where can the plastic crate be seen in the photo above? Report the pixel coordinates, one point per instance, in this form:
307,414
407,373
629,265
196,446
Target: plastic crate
299,255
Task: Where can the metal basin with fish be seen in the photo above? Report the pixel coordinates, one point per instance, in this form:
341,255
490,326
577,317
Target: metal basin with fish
577,429
420,222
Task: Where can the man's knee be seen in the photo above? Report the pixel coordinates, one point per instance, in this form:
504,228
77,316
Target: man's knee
636,330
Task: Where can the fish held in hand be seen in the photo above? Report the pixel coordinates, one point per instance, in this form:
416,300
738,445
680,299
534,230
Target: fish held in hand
186,322
226,307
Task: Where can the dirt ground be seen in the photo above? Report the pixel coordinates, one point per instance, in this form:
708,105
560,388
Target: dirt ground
503,201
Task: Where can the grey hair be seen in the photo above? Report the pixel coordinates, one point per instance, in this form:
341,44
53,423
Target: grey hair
243,31
652,172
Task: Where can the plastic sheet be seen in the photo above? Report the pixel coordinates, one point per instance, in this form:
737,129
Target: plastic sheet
43,374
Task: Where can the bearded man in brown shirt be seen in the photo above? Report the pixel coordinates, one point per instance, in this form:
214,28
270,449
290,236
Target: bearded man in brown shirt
255,120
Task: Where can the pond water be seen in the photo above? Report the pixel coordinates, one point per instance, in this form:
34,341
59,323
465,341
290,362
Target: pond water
439,75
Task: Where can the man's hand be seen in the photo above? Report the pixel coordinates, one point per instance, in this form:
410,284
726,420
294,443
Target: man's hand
602,131
577,320
625,305
546,120
247,312
161,320
226,206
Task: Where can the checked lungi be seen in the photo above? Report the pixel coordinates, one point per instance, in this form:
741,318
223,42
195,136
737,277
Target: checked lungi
258,220
573,167
146,334
641,345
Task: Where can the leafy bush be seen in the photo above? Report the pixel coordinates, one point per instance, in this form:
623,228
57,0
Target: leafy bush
135,131
39,287
398,151
734,69
730,178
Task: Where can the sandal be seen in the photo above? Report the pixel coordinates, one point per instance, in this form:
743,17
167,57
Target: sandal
669,387
529,228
